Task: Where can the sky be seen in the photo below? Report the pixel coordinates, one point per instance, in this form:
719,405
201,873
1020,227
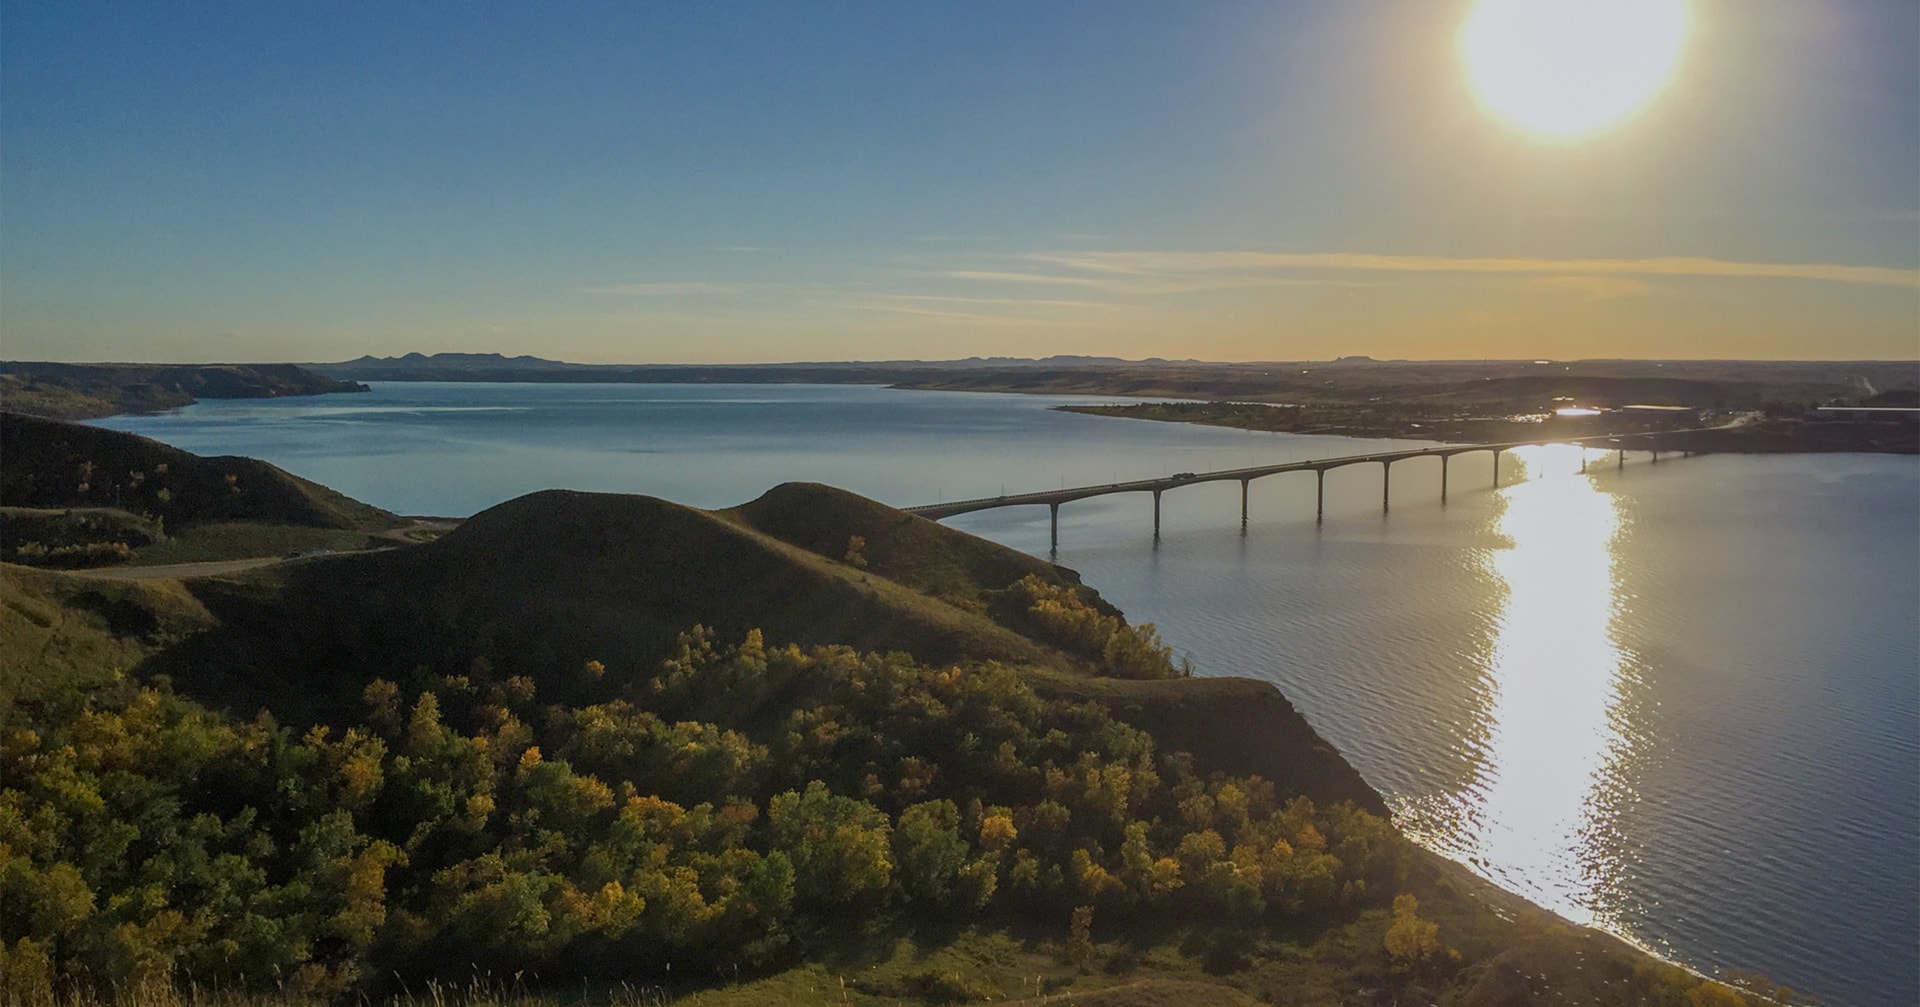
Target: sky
738,182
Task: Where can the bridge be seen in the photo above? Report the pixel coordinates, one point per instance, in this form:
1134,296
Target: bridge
1052,499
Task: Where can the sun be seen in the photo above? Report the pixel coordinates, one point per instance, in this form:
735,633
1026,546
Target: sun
1565,69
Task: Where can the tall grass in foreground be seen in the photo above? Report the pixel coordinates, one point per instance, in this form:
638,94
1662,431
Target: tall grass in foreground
162,991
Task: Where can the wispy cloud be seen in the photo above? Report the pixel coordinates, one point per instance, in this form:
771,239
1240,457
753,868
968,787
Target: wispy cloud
1012,277
1596,288
1019,302
971,317
685,288
1146,283
1195,264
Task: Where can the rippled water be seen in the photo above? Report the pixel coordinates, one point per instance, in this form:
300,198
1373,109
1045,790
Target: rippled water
1681,702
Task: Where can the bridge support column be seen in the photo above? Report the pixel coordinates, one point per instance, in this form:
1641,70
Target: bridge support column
1055,508
1386,485
1156,515
1319,495
1244,483
1443,476
1496,468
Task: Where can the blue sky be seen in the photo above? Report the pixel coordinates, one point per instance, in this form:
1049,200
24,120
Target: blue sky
780,181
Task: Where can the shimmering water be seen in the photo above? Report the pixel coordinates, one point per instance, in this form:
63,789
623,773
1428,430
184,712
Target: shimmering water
1681,702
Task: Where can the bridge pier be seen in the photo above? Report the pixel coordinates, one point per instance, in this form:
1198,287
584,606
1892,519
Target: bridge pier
1244,483
1386,485
1319,495
1156,515
1055,508
1496,468
1444,459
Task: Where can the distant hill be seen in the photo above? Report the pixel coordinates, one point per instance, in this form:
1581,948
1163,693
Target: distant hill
495,367
53,464
89,391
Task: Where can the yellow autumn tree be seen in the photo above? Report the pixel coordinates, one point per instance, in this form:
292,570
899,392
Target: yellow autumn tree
1411,941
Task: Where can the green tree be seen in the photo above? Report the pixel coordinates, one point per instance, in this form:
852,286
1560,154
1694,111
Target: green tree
929,851
838,845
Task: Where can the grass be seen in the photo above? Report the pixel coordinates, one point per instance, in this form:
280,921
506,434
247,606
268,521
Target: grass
62,635
1526,958
923,555
478,991
244,540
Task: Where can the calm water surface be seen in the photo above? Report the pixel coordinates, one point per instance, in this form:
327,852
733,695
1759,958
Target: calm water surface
1679,702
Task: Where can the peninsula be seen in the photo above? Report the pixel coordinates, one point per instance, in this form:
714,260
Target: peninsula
90,391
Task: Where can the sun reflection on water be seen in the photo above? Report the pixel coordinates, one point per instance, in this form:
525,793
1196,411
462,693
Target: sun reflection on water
1537,814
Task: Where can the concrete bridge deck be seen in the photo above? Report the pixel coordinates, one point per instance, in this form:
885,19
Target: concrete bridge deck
1652,441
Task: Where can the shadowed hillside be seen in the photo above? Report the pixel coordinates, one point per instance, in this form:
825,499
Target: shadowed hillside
52,464
958,568
553,579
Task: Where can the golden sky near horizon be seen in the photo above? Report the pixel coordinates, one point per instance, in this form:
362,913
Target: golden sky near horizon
1467,179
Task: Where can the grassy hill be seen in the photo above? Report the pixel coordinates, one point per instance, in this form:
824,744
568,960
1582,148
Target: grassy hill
51,464
551,580
926,556
62,637
555,579
76,495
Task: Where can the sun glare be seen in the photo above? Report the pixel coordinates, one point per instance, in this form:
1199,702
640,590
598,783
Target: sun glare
1564,69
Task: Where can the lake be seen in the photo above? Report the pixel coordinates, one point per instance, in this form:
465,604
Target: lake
1677,701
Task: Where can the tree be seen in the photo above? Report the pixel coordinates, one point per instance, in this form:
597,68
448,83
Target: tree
1080,938
1410,940
928,848
838,845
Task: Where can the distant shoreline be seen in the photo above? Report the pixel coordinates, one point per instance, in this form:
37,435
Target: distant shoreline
96,391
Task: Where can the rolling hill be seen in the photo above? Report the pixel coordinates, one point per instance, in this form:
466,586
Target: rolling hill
53,464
